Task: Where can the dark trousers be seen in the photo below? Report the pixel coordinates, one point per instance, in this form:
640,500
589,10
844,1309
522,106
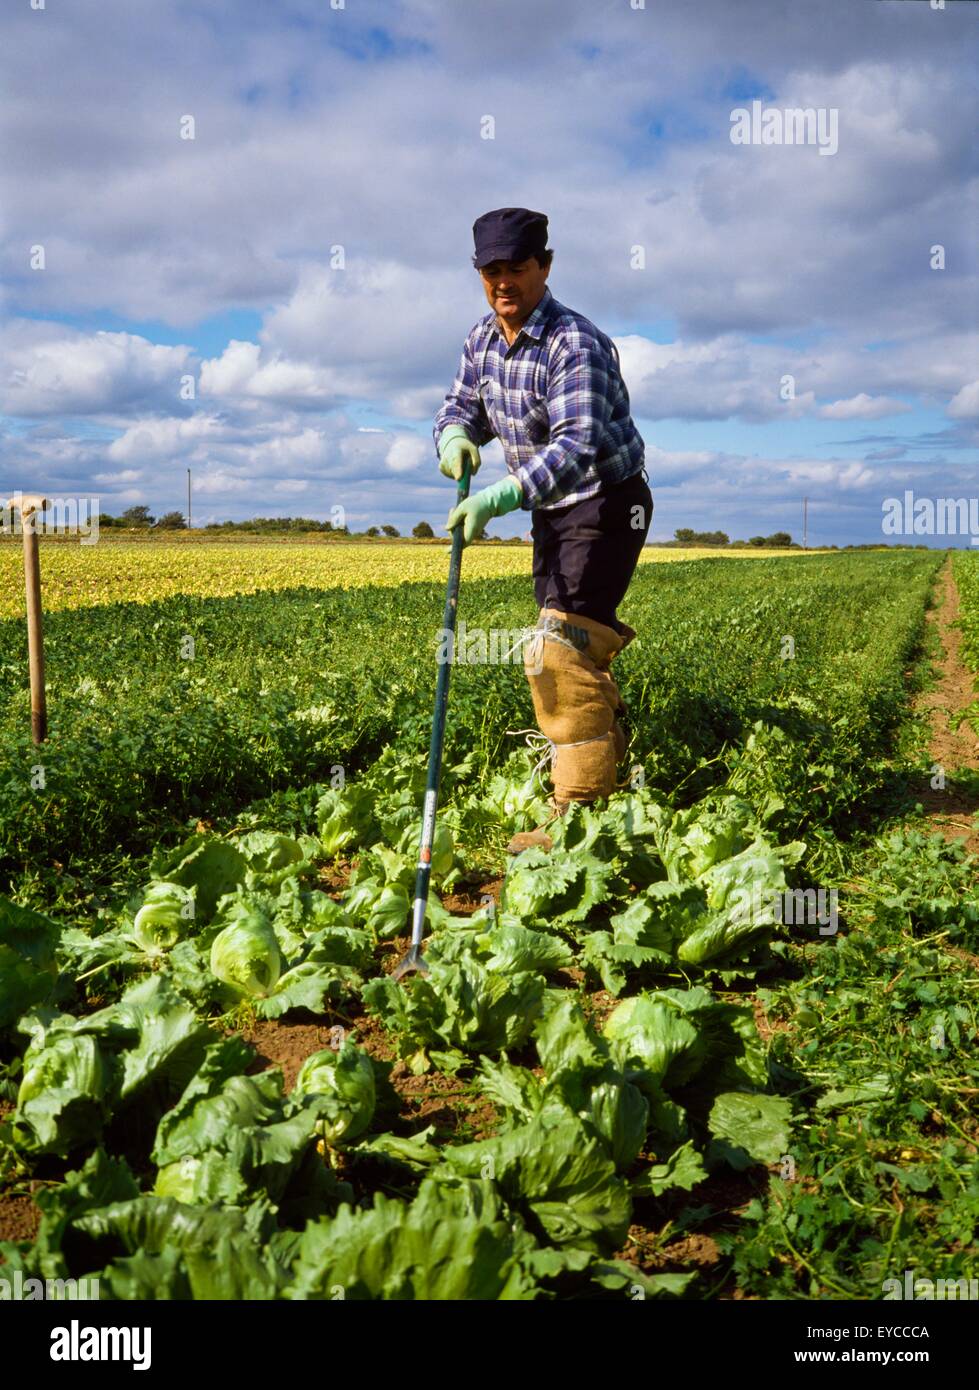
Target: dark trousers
585,554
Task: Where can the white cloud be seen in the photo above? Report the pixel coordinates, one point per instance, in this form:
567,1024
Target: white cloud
156,440
125,475
964,405
220,482
292,486
408,452
240,371
50,370
863,407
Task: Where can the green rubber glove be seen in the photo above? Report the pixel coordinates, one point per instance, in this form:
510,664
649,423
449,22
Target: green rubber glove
455,449
495,500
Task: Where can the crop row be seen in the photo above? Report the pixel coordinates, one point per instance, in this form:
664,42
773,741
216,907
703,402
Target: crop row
786,674
122,571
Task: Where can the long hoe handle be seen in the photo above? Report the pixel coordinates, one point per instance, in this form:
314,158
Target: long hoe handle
413,960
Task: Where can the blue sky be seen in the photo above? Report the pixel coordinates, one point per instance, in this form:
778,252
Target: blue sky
211,261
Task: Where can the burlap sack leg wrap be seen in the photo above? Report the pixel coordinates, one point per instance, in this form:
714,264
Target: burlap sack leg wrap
576,701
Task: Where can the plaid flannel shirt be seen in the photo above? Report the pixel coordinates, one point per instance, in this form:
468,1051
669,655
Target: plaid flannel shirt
554,398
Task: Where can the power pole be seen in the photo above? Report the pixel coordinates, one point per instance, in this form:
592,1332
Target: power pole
189,519
805,523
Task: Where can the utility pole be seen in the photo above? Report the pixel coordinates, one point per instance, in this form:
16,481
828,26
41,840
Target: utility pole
189,518
805,523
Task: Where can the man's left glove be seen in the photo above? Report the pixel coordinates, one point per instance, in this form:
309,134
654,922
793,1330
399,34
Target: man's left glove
495,500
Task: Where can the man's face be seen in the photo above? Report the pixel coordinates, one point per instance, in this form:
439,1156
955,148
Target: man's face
514,288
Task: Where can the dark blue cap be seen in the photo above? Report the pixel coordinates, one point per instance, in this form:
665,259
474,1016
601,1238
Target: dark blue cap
508,234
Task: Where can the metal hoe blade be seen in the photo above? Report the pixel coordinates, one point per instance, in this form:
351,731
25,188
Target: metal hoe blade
413,960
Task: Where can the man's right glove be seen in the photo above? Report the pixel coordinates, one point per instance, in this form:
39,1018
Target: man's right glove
456,449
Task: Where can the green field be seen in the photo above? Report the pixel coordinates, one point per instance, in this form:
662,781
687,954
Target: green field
617,1081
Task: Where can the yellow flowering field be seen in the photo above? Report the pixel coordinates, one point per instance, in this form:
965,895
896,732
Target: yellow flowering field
111,571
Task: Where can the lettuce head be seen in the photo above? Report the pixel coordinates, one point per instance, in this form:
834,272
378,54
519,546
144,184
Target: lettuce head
347,1079
245,954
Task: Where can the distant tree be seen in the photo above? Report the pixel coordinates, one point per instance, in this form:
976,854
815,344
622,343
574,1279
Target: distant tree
423,532
391,531
780,538
106,520
136,516
172,521
757,541
685,536
372,531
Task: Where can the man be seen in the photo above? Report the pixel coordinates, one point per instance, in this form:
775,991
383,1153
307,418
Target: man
546,382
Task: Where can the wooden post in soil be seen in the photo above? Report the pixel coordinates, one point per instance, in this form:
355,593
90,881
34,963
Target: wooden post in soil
29,507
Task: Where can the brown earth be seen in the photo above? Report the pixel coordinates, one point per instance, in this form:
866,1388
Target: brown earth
698,1251
446,1102
280,1043
950,809
19,1218
470,894
767,1028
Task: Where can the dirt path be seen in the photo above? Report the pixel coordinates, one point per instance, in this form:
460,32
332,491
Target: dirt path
951,808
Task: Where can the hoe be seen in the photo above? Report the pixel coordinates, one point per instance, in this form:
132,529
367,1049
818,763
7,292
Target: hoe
413,959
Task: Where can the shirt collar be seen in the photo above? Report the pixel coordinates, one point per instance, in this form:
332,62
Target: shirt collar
534,325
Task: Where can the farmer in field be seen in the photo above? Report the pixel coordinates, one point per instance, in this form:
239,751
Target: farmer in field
546,382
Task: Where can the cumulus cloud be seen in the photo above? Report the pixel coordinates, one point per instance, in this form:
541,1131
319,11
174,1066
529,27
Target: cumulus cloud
409,452
964,405
863,407
153,440
49,370
241,371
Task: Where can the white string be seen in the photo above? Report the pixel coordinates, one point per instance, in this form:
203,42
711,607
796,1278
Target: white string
536,741
548,632
525,636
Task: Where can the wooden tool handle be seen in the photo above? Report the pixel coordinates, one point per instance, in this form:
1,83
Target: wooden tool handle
29,505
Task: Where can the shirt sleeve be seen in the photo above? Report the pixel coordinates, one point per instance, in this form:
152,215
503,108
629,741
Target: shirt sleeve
464,405
580,399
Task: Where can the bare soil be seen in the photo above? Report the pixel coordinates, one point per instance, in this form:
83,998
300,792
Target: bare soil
281,1043
767,1028
950,809
471,893
19,1218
